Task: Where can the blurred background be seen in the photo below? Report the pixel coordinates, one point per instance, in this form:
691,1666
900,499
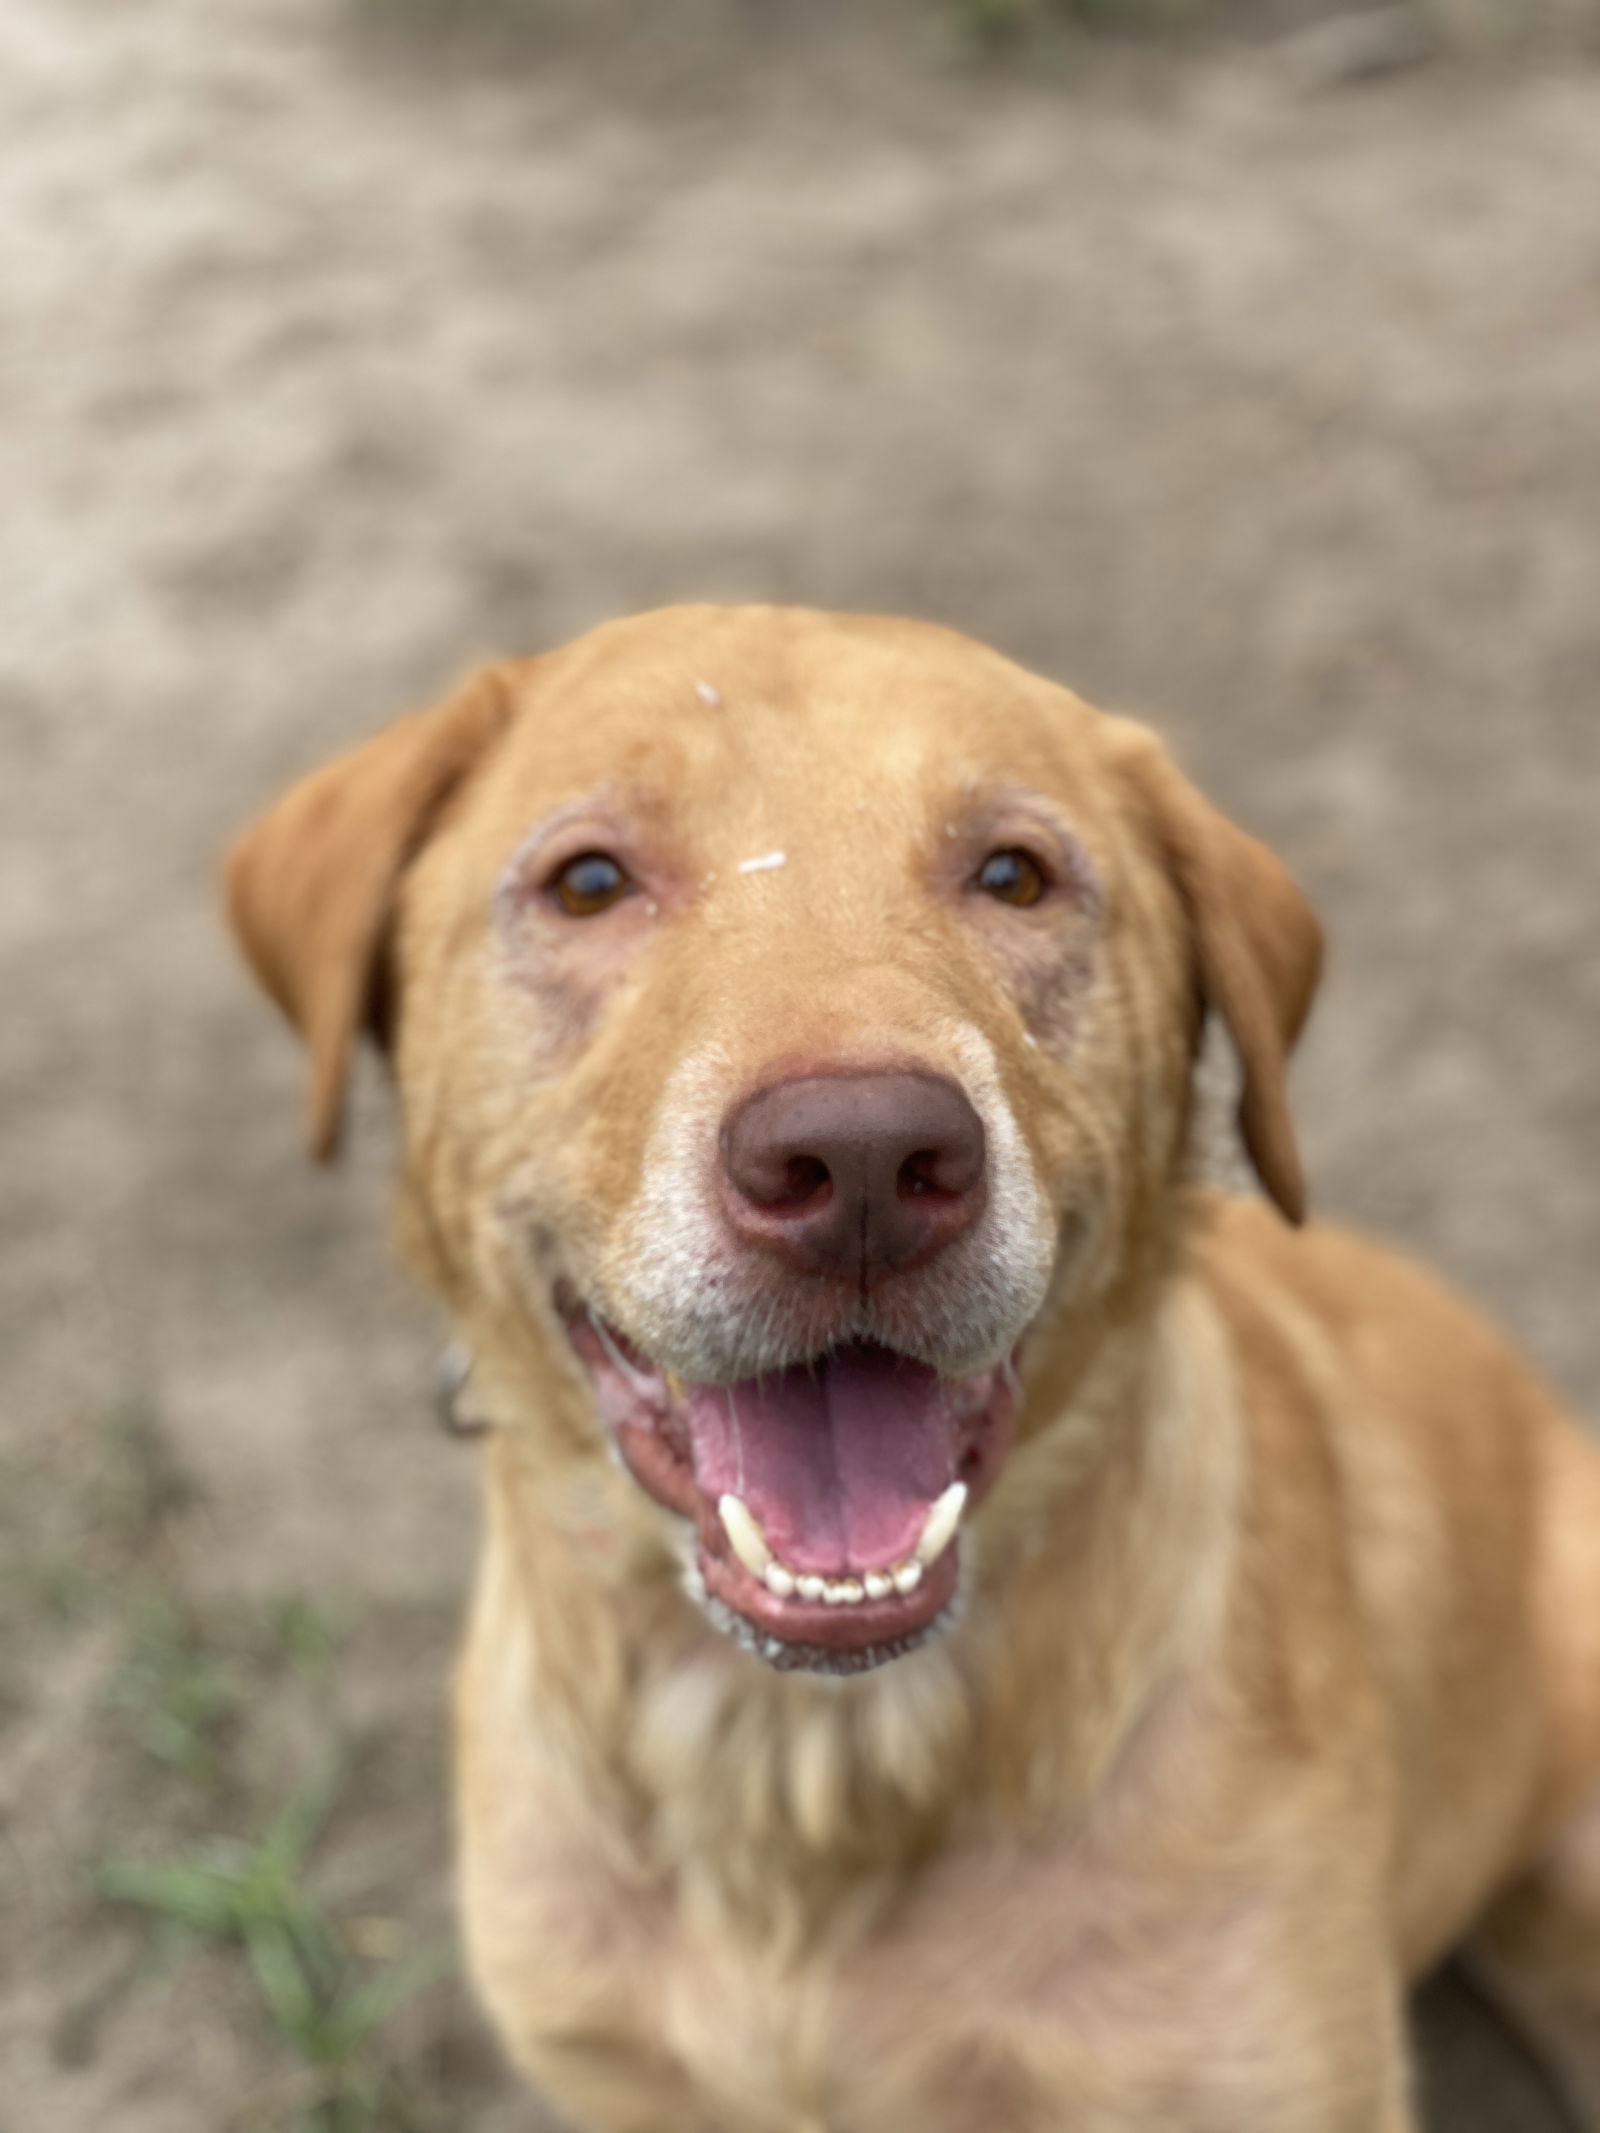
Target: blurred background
1239,365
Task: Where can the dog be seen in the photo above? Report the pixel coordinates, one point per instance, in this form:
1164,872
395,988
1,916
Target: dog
977,1628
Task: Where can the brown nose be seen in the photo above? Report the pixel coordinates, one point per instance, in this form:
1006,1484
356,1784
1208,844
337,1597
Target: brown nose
855,1173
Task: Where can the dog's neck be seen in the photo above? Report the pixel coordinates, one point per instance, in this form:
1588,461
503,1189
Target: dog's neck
789,1799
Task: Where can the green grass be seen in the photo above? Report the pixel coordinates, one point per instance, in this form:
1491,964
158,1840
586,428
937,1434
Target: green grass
175,1692
991,25
187,1674
982,28
974,29
200,1694
219,1748
326,2005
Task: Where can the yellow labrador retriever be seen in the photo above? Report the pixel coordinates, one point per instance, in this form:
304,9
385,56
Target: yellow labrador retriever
976,1630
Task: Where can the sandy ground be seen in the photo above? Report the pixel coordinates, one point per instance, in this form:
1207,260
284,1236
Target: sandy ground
331,360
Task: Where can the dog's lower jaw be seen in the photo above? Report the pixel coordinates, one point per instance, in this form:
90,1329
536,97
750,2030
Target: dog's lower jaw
788,1656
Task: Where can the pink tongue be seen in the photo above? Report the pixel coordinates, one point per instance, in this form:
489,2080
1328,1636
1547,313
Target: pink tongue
839,1460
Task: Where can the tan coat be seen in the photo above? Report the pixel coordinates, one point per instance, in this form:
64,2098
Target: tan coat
1276,1655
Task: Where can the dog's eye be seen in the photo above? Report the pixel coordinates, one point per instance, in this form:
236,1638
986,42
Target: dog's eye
1012,877
589,884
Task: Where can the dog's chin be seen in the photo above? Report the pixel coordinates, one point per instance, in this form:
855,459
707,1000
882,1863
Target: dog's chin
826,1498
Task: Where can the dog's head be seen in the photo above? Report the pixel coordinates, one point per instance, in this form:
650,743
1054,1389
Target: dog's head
793,1017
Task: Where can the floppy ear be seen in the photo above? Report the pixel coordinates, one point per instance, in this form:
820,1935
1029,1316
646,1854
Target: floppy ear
1258,946
310,886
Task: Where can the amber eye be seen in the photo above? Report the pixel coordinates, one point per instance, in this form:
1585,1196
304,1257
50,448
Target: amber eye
1012,878
589,884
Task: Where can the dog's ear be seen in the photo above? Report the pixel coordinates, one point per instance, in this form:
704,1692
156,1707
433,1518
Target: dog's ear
310,886
1258,946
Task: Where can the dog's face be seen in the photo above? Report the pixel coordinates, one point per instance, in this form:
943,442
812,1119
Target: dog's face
793,1018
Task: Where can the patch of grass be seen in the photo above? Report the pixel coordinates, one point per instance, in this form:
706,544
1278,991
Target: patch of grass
189,1735
987,28
230,1701
306,1635
992,25
976,29
189,1675
178,1694
323,2001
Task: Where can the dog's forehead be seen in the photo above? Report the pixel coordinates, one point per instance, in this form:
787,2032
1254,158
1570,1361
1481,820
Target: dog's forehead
786,711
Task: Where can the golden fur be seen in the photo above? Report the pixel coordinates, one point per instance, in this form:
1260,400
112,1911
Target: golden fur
1279,1660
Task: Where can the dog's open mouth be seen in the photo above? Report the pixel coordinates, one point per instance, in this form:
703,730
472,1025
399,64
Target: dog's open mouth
827,1498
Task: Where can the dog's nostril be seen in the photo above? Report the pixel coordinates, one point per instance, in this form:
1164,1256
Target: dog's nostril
919,1174
805,1179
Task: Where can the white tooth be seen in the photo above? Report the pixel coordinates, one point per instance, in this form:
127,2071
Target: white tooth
943,1520
878,1587
745,1537
778,1580
811,1587
834,1592
640,1380
850,1591
907,1577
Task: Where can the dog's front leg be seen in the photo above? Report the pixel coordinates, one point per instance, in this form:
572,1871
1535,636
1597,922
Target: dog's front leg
1540,1950
609,2084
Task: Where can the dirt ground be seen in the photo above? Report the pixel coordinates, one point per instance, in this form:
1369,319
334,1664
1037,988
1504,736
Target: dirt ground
334,355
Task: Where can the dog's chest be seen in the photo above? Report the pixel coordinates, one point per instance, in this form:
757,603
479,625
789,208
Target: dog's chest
997,1984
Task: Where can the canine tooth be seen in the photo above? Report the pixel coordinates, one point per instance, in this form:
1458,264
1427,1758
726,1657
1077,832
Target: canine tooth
907,1577
877,1586
634,1375
778,1580
745,1537
943,1520
811,1587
